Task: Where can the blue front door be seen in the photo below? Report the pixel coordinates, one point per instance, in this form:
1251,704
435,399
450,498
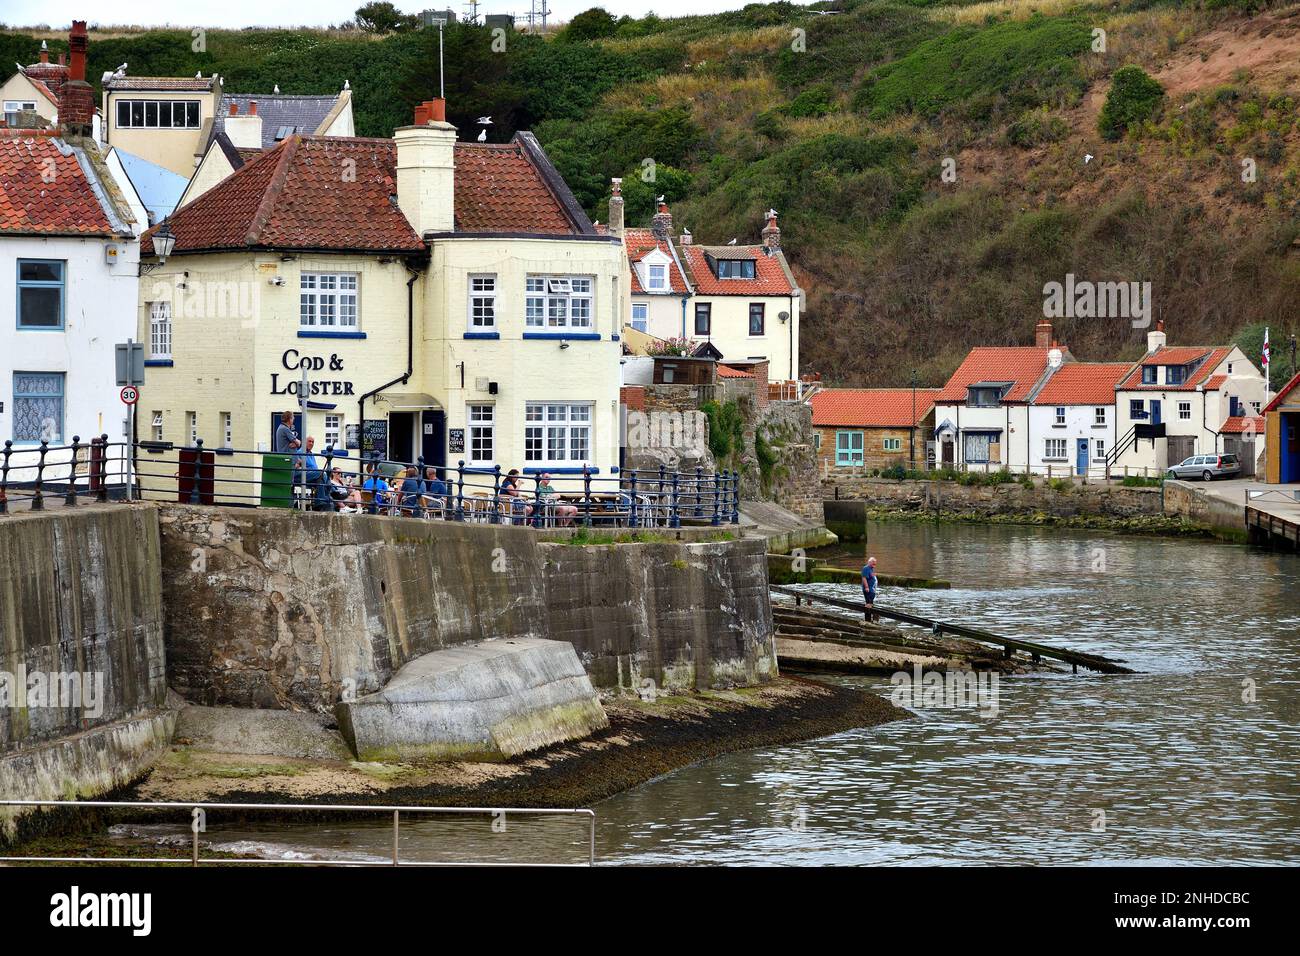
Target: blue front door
1155,411
1081,457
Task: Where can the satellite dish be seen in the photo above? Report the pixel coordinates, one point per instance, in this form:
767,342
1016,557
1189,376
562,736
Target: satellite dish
1054,358
783,316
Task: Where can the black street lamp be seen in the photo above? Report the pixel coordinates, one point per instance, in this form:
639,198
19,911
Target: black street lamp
164,241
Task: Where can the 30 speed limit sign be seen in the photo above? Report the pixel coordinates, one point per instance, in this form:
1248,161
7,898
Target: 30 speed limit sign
130,395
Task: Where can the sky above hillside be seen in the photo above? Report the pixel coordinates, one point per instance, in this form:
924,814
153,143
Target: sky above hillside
245,13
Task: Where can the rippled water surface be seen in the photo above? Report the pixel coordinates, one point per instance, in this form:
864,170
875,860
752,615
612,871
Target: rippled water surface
1166,766
1181,768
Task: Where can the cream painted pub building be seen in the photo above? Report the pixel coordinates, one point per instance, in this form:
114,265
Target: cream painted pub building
426,297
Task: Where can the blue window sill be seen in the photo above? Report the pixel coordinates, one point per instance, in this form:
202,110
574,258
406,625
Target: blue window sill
314,334
41,328
613,338
582,336
158,363
482,335
560,471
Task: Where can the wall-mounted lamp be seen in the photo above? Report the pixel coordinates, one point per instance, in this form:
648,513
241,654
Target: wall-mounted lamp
164,241
564,345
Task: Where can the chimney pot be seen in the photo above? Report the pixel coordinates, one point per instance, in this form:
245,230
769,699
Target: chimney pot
615,227
234,109
45,53
252,107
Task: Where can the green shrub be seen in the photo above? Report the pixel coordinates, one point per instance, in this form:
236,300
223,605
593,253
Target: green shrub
726,428
1134,97
815,101
1036,127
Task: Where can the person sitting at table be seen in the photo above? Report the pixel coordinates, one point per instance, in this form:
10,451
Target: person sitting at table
410,489
564,511
435,491
377,487
510,490
345,496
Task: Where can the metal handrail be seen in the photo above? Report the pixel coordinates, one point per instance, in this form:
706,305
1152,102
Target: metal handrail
396,811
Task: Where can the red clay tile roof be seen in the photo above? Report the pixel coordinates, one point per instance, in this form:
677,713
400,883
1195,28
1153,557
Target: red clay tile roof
294,196
47,78
726,371
1083,383
769,277
1023,366
34,202
639,242
1215,382
1237,424
498,189
1182,355
1286,390
871,407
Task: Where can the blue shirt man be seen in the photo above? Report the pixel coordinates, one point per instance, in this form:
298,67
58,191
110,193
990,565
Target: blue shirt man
869,585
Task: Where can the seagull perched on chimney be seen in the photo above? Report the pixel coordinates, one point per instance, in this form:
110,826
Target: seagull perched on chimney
347,85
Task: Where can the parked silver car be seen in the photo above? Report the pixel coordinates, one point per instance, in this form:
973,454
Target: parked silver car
1207,467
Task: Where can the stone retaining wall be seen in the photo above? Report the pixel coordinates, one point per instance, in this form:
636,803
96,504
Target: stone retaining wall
1077,499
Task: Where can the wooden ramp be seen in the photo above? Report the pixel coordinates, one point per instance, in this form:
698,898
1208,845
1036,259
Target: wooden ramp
965,643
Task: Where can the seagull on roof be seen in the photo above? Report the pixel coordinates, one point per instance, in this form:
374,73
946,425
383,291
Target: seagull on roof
277,88
347,85
121,70
732,242
198,75
482,136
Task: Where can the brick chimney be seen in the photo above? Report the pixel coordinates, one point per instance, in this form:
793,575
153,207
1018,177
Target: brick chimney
244,132
685,238
662,222
426,169
1043,337
771,233
76,96
616,207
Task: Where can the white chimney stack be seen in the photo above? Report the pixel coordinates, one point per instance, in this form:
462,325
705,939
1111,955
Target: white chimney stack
426,169
1156,337
244,131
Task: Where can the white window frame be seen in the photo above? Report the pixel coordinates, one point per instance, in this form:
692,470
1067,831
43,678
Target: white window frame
552,302
160,330
643,319
13,107
1099,449
1055,450
192,425
329,300
116,115
651,276
555,431
480,428
1060,415
482,302
157,425
893,444
1184,411
227,430
333,427
1099,415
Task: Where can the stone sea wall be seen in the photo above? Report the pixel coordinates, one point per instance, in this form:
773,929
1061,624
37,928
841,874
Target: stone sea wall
1012,498
293,610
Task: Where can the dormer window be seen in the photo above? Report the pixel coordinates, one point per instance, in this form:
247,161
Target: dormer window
1149,374
1175,374
735,268
658,278
984,396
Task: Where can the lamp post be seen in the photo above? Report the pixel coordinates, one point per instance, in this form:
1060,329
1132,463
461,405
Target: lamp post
911,443
164,241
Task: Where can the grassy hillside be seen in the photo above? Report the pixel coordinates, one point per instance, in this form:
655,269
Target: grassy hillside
845,128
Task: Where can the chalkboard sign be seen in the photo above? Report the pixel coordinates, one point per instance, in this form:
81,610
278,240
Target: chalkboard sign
374,436
456,441
353,438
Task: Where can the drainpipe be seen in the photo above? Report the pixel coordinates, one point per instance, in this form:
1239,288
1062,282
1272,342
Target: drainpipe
684,301
410,356
791,323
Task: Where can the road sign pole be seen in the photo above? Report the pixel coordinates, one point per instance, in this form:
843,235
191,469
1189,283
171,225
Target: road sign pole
130,450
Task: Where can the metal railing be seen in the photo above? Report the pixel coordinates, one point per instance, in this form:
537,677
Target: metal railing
335,481
31,474
197,813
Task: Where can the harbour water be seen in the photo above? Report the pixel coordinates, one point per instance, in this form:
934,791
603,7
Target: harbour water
1192,760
